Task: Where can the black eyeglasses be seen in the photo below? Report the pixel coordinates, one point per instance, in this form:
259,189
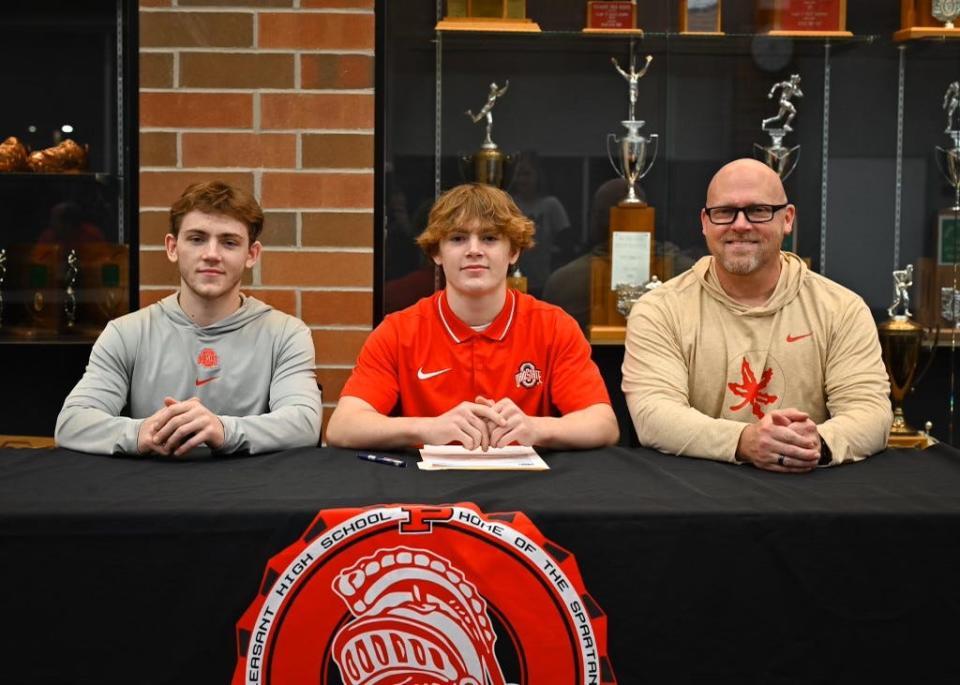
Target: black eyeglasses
756,214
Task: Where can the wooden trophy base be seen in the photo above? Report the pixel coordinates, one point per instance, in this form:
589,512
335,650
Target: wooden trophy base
930,278
902,435
493,24
626,32
917,22
911,441
26,441
614,333
919,32
811,34
607,325
518,283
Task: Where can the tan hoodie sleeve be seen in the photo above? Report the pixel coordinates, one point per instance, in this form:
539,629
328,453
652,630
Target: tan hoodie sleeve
856,387
656,385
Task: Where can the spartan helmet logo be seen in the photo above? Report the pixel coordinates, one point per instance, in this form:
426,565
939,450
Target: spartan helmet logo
418,621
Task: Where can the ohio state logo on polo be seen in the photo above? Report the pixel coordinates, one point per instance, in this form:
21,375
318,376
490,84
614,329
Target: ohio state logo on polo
422,595
528,375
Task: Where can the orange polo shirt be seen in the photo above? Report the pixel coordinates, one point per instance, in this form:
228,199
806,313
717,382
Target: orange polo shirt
423,361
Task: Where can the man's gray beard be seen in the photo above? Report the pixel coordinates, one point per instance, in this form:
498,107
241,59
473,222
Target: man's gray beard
741,265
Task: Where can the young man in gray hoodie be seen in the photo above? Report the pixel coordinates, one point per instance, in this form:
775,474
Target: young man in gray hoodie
205,366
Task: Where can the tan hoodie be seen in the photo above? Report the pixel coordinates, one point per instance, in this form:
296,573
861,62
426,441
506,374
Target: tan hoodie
699,366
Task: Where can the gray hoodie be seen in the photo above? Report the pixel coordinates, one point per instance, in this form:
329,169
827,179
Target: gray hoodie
253,369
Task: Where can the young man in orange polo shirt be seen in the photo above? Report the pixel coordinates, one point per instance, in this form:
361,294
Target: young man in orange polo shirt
476,363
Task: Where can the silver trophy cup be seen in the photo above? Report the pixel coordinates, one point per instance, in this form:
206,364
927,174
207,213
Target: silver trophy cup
629,157
945,11
778,157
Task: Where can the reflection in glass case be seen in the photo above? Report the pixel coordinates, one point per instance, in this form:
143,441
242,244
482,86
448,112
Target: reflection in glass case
706,96
68,243
64,158
868,111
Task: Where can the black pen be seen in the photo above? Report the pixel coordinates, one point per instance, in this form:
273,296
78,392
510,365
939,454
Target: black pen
380,459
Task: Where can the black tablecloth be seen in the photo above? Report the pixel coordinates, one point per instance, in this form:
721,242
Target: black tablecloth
121,570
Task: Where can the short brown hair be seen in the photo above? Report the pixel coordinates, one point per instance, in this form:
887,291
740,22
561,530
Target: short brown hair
217,197
489,205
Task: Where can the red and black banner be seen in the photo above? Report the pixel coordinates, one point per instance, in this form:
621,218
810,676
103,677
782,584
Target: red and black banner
411,594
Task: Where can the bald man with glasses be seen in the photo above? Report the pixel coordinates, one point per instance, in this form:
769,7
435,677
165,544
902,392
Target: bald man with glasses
749,356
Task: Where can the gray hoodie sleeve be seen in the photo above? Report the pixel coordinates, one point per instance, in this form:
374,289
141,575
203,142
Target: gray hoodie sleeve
295,403
89,420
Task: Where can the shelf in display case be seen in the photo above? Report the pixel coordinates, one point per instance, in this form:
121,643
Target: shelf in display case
619,35
87,339
68,64
63,292
80,176
607,335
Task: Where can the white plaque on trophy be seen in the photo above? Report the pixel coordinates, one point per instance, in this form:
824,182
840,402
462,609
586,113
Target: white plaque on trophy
630,258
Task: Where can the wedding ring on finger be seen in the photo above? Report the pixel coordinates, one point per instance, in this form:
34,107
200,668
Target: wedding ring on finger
780,459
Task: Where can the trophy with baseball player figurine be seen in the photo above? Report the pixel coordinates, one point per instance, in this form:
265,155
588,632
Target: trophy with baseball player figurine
901,342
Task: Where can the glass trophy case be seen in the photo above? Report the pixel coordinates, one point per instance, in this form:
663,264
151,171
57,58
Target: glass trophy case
68,238
847,99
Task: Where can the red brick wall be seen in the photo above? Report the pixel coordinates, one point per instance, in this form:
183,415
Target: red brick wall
275,96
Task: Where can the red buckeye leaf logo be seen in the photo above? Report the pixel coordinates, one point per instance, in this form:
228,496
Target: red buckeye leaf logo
751,390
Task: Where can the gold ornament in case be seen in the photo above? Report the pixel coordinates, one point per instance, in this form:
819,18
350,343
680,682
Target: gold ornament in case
65,157
13,155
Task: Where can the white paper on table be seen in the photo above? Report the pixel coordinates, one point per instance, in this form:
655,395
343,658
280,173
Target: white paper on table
630,258
510,458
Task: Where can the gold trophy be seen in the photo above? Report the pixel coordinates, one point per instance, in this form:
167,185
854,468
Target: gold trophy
486,164
35,276
901,341
13,155
104,285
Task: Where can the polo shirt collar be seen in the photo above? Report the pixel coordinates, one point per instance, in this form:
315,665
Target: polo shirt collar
460,331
